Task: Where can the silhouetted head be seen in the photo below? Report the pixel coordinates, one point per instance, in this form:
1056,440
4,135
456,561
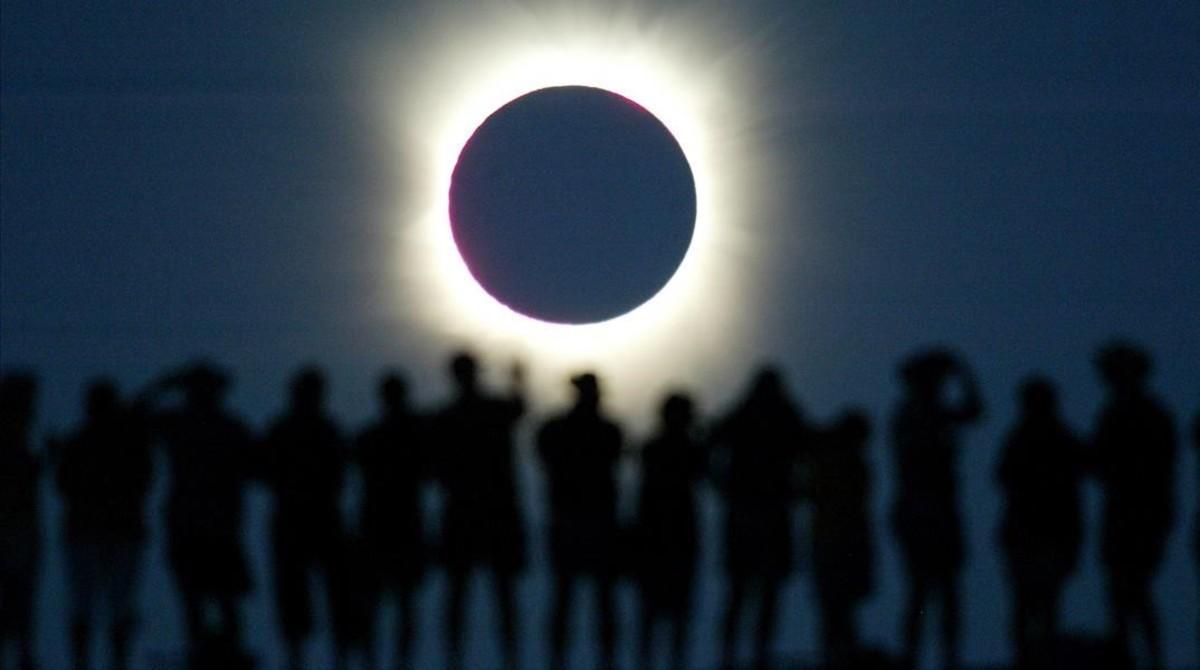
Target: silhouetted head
1123,365
464,370
102,399
393,392
767,384
587,391
17,393
853,428
308,390
677,412
204,384
925,372
1039,397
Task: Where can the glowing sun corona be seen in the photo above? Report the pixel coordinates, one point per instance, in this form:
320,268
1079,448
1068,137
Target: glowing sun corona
448,78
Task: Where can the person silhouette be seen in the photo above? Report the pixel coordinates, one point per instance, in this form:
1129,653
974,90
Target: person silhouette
666,529
1196,545
758,446
303,463
472,444
208,456
20,516
1133,445
392,456
579,450
839,492
925,514
1040,472
103,474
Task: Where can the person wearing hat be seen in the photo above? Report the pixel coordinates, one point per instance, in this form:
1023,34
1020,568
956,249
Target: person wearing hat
471,447
579,450
925,514
1133,452
208,453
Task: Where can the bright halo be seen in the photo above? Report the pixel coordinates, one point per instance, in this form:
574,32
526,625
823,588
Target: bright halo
697,79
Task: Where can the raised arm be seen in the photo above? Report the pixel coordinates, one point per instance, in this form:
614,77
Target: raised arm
971,406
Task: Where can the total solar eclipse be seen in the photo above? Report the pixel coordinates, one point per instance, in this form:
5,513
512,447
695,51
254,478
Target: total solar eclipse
572,204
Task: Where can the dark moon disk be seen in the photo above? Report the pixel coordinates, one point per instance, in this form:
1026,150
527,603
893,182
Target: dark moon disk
572,204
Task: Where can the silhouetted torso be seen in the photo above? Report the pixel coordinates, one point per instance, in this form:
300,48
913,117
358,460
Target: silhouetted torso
304,467
472,438
19,469
764,438
391,458
1041,470
104,474
1134,454
1196,445
672,464
579,450
208,455
839,492
925,512
20,524
18,492
926,448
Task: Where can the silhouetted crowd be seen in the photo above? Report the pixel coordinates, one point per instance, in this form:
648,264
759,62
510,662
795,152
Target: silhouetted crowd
764,457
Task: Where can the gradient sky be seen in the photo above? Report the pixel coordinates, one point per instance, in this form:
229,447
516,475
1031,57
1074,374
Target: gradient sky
1020,183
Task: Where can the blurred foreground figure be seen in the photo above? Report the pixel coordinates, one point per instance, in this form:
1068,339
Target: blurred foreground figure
925,514
208,455
1134,454
667,531
1196,546
760,442
472,437
1040,471
20,523
391,457
303,464
579,450
843,556
103,475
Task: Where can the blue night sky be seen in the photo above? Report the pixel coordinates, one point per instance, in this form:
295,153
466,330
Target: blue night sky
1020,183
